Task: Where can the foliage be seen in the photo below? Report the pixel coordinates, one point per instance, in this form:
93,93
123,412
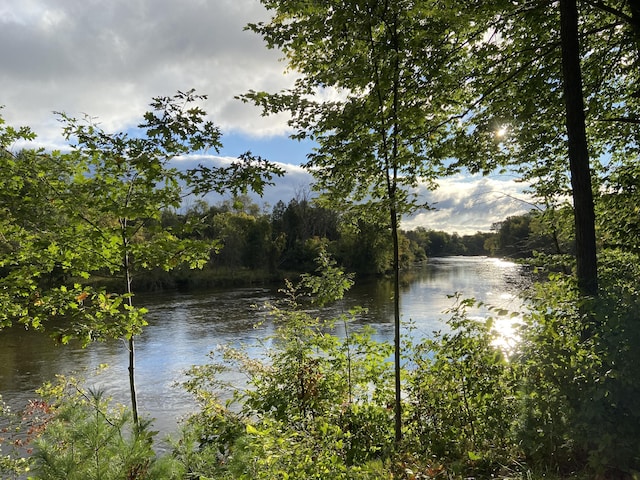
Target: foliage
431,243
618,206
580,364
547,232
462,397
123,182
380,84
386,125
315,407
97,210
301,220
287,239
32,254
520,74
364,246
88,438
16,435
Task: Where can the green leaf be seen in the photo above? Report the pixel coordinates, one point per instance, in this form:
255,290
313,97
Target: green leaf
474,456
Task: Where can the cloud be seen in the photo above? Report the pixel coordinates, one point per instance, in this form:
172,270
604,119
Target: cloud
469,204
464,205
109,59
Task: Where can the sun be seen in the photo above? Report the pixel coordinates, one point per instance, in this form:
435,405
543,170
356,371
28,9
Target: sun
501,132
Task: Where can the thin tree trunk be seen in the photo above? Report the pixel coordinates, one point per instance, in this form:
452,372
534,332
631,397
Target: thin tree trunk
394,232
131,343
396,323
132,380
586,260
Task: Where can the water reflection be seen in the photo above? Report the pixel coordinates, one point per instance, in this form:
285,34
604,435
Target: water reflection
426,293
184,328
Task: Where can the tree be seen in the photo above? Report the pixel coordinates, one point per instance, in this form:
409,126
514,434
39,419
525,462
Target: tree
364,246
299,221
106,199
586,260
128,181
27,219
384,69
560,79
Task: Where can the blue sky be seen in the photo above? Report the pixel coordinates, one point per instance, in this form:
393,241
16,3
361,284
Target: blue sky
274,148
108,59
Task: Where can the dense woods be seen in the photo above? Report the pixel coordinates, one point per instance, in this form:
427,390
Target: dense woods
269,245
413,91
286,240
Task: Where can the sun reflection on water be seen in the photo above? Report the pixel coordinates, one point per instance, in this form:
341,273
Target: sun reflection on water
507,329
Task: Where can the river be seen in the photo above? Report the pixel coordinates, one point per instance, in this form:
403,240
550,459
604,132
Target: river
184,327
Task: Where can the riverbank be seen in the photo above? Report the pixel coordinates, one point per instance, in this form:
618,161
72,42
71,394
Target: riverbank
184,327
210,278
188,280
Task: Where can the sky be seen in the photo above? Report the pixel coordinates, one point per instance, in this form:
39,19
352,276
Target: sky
108,59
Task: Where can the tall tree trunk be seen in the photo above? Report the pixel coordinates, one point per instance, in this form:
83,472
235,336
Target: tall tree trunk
587,267
393,188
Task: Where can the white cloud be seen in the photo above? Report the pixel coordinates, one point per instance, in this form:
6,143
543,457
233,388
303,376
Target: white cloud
109,59
468,204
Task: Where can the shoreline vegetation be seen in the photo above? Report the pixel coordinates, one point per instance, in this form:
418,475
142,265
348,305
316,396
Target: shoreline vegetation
259,247
319,404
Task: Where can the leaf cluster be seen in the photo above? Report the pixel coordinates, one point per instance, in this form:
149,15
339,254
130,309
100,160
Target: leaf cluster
96,211
378,112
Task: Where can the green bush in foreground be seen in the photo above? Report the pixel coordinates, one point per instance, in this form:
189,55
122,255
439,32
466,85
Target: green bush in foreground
462,397
580,371
86,438
315,407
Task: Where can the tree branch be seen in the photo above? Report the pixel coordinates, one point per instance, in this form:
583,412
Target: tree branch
606,8
635,121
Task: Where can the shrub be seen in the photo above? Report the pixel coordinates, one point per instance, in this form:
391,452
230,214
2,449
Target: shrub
315,406
580,395
87,438
461,393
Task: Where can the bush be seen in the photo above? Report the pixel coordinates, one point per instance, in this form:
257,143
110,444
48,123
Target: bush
87,438
580,395
462,400
316,407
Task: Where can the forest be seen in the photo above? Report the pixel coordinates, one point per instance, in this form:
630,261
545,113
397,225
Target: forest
394,95
258,246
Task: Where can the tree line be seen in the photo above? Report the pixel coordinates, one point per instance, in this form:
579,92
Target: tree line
268,245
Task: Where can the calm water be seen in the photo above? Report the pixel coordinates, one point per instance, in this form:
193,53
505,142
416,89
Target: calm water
184,328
